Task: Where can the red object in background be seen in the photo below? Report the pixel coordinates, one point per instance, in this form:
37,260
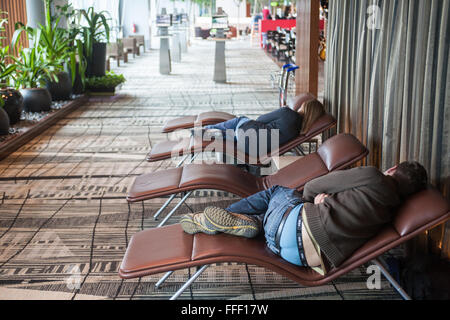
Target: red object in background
322,24
265,13
271,25
134,28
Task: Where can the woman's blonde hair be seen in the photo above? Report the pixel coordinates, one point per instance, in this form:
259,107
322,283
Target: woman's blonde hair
311,110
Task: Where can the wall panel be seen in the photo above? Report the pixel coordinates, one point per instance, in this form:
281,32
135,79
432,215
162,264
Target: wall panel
307,77
17,12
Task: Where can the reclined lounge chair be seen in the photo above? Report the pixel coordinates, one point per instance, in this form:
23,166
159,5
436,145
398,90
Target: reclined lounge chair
214,117
189,146
338,152
169,249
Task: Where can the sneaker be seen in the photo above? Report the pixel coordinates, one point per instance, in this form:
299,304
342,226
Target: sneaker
231,223
195,223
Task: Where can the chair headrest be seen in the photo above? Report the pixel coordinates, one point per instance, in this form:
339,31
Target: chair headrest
325,121
419,210
297,102
340,149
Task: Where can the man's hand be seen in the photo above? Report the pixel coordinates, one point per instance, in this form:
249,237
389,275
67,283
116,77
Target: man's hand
320,198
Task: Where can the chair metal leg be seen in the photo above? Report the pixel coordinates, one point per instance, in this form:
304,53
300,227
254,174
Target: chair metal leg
175,209
392,281
193,157
189,283
163,279
296,152
183,160
300,151
165,205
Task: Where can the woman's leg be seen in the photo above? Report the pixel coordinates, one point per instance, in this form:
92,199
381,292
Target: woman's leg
227,125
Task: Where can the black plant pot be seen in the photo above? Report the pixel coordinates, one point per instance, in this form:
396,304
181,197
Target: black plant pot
36,99
78,84
13,104
4,122
97,64
102,91
62,89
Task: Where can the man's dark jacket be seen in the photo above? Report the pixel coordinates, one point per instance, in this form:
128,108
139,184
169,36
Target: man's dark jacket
361,201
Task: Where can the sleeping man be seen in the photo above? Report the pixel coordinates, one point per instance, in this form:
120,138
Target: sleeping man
336,215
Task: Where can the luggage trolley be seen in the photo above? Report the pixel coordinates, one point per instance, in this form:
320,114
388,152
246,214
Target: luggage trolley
285,80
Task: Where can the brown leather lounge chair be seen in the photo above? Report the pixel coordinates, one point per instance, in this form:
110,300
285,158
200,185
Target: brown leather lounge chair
214,117
169,249
193,146
338,152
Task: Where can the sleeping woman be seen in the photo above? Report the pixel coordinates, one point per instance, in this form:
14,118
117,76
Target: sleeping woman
288,122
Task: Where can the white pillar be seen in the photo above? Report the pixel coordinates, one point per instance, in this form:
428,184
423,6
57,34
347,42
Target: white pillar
35,12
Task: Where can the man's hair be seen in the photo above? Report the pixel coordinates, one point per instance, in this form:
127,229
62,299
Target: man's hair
411,177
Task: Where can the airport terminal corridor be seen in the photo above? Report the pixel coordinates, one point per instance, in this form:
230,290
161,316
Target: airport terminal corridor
65,223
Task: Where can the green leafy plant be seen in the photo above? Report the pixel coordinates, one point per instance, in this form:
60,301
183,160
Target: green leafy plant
96,31
54,40
72,32
110,80
58,44
33,67
6,70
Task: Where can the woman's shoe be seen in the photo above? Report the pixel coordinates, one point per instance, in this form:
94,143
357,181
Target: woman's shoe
231,223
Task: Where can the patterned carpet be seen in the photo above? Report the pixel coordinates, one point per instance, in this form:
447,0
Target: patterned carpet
64,221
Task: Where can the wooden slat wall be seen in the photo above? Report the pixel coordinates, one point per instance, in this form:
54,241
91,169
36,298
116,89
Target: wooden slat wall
17,12
307,77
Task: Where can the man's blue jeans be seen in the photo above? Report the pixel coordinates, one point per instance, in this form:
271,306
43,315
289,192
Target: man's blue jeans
269,207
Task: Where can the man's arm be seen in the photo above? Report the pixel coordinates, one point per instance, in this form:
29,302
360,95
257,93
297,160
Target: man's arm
339,181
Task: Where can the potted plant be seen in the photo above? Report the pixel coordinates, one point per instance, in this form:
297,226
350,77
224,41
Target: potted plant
12,100
55,42
105,85
78,63
95,37
60,49
33,69
4,119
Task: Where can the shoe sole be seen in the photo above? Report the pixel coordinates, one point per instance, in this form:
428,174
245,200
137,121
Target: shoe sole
234,224
192,227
